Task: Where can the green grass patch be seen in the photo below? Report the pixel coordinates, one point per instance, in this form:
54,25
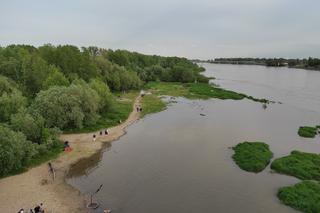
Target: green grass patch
195,91
307,131
120,110
151,104
305,166
304,196
252,156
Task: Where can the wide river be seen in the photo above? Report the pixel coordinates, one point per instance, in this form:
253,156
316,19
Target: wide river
178,161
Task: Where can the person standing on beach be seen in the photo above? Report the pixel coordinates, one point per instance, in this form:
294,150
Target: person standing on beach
94,138
106,132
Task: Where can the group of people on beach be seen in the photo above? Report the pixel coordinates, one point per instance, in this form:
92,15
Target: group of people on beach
37,209
94,137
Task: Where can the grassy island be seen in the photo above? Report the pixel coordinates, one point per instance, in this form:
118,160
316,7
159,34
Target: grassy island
308,131
196,91
252,156
302,165
304,196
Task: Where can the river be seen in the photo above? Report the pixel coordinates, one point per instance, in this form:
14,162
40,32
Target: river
179,161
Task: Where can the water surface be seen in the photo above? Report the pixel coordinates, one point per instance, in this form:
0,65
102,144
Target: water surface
178,161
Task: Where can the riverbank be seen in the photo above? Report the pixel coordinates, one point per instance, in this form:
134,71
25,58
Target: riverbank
36,186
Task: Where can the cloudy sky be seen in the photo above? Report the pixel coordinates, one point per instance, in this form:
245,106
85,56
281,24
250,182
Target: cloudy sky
191,28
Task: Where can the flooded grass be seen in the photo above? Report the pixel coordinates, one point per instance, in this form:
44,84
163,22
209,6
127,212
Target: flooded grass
307,131
302,165
304,196
152,104
196,91
252,156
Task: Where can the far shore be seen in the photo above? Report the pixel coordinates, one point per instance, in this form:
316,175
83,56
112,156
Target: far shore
37,186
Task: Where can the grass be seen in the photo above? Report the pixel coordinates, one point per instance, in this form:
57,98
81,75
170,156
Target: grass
305,166
304,196
151,104
307,131
195,91
252,156
120,110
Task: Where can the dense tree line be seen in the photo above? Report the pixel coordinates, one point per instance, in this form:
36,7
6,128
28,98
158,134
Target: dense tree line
308,63
51,88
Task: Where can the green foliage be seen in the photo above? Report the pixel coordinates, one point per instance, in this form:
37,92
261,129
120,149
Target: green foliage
151,104
252,156
55,78
30,126
59,107
68,107
119,110
307,131
304,196
15,151
11,99
302,165
35,71
106,97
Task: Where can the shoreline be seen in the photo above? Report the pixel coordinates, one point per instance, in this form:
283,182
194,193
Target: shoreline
36,185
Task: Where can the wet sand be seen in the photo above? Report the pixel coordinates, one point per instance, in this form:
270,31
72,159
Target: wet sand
36,186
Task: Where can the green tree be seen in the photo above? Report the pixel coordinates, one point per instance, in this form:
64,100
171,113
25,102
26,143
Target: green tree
11,99
102,89
15,151
55,78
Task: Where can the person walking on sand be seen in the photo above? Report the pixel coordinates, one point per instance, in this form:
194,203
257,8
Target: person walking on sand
94,138
106,132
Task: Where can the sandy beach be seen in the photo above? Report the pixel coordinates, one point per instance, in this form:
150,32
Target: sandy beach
37,186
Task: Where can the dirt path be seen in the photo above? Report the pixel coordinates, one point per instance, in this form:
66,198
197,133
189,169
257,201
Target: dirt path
36,185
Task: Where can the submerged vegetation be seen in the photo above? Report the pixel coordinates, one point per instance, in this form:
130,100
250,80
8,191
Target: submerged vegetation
308,131
252,156
302,165
304,196
195,91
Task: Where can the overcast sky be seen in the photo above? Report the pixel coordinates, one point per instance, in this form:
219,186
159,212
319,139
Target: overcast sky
191,28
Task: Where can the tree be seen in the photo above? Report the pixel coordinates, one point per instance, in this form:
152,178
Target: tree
59,108
11,99
102,89
55,78
31,126
15,151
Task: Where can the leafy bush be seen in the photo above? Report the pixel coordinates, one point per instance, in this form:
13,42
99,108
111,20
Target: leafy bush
15,151
304,196
252,156
302,165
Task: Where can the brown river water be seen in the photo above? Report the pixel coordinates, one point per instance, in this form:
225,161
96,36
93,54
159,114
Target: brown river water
179,161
